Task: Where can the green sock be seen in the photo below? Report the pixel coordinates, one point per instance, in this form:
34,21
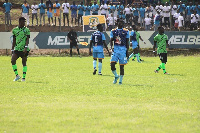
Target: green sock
24,71
139,56
163,67
15,69
159,67
134,57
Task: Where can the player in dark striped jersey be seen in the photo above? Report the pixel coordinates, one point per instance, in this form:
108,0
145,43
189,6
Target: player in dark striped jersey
161,40
97,41
120,36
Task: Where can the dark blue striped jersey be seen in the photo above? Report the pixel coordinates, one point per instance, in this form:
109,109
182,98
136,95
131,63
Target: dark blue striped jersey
97,39
120,37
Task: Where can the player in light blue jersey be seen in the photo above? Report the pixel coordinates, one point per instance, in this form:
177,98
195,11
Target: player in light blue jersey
97,41
135,37
120,36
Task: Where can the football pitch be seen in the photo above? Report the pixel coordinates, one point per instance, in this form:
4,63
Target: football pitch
62,95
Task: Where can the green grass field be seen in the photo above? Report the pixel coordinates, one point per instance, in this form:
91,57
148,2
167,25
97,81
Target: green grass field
61,95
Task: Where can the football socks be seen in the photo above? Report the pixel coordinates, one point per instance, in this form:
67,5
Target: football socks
159,67
134,57
115,73
138,58
94,64
24,71
121,78
100,67
15,69
163,67
131,56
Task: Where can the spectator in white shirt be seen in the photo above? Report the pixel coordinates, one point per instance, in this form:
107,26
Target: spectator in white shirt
176,15
180,22
147,22
149,10
154,12
66,7
111,21
34,8
194,21
173,11
127,11
159,8
104,8
166,14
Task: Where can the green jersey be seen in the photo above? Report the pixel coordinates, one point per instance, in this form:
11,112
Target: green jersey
137,36
21,34
161,43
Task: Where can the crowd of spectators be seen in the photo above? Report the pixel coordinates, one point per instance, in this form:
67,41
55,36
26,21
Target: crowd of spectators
146,15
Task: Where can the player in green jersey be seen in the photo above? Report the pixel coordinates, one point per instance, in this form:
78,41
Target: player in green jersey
21,35
161,40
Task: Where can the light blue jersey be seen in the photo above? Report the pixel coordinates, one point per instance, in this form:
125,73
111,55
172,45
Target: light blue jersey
25,8
134,40
95,8
73,9
111,8
181,8
87,10
142,12
120,8
81,9
42,7
120,37
135,12
97,39
7,7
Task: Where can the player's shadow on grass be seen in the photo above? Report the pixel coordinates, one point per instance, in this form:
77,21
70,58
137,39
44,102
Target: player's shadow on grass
139,85
108,75
38,82
177,74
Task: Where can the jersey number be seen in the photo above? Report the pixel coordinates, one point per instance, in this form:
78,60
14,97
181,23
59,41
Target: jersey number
96,39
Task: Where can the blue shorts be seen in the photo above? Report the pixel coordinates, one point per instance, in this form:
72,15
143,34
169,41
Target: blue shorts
134,44
119,56
49,14
99,55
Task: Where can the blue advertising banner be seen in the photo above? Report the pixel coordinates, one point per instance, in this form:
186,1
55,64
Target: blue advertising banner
58,40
